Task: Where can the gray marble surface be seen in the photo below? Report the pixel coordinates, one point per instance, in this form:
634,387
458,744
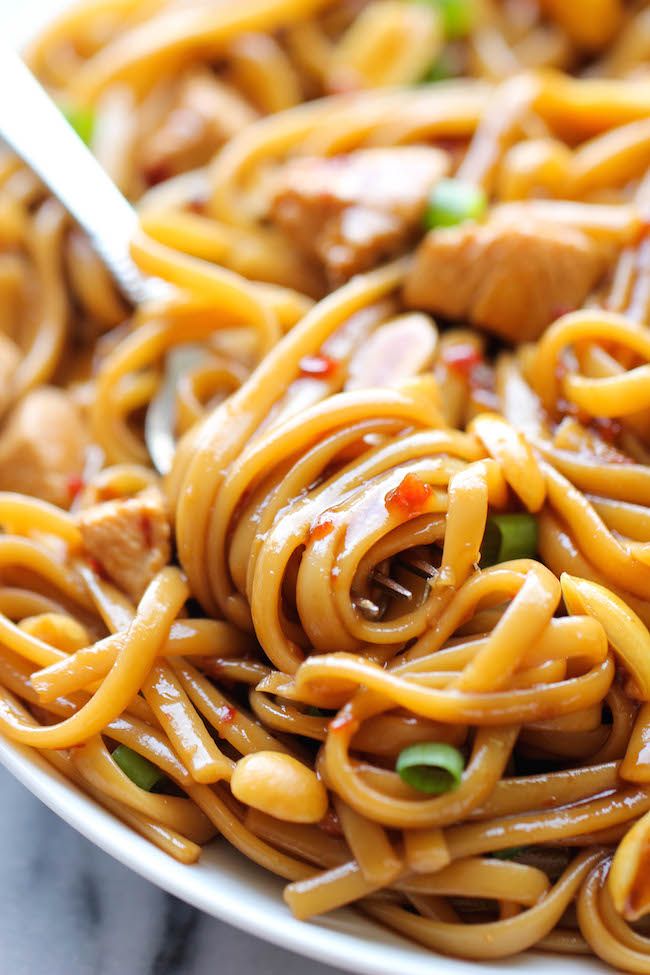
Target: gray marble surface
66,908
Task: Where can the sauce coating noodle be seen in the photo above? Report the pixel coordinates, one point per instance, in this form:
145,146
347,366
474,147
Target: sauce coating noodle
423,310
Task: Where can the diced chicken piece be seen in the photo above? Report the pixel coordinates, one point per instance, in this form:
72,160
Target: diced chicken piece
42,446
129,538
9,361
209,112
351,212
509,278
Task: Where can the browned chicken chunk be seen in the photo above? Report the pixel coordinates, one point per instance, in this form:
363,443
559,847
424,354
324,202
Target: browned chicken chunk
129,537
351,212
510,278
42,446
209,112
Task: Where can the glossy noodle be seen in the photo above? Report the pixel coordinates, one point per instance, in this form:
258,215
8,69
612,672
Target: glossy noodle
383,625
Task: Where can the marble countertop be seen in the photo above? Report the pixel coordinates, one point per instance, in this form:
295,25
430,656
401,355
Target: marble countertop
66,908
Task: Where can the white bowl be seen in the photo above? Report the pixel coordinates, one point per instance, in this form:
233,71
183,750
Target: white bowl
224,883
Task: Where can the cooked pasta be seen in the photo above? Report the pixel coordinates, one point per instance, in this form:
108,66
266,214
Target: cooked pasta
383,624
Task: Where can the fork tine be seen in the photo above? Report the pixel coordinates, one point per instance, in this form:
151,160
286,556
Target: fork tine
419,567
391,585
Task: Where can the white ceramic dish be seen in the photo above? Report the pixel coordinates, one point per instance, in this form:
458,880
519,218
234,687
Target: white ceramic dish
224,883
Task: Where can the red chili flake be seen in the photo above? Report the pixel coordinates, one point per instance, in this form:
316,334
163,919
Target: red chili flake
321,530
330,823
453,146
409,497
156,174
343,722
146,529
462,359
320,366
97,567
75,486
226,714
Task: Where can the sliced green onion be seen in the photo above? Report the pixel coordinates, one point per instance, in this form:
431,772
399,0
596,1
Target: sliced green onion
140,770
508,537
509,853
458,16
441,69
431,766
453,201
82,121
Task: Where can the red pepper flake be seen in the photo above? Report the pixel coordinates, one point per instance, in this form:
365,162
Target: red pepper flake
462,358
75,486
156,174
330,823
146,529
321,530
409,497
227,714
455,148
97,567
320,366
343,721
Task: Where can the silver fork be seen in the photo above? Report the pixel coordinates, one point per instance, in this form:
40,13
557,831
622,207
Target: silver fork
32,125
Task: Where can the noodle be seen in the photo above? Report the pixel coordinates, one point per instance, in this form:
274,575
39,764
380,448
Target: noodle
399,570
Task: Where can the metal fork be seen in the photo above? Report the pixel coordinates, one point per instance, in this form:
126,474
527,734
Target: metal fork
32,125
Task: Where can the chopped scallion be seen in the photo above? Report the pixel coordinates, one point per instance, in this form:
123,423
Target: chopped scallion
440,70
82,121
140,770
431,766
508,537
458,16
453,201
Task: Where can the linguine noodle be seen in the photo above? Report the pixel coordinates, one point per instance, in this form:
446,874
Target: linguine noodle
301,619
